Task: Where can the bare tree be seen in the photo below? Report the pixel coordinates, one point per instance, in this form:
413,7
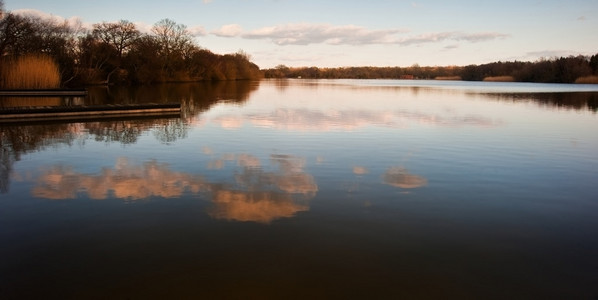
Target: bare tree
120,35
174,41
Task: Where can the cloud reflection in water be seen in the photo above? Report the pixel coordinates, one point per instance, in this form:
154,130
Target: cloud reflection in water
256,195
289,119
400,177
124,181
261,207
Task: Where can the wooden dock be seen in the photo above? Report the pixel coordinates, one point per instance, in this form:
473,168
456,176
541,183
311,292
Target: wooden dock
54,113
43,93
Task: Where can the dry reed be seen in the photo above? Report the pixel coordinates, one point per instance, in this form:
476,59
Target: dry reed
447,77
593,79
30,72
499,78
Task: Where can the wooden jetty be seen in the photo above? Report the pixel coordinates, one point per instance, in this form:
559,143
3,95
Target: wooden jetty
54,113
43,93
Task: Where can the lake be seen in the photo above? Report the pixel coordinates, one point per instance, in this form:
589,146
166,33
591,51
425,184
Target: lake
307,189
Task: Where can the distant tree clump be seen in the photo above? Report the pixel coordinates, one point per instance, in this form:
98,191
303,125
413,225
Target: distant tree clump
117,52
580,69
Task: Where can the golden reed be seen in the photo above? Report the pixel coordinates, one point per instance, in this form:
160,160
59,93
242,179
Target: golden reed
35,71
593,79
500,78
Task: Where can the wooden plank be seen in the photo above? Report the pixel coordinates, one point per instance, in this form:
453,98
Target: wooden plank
42,93
19,114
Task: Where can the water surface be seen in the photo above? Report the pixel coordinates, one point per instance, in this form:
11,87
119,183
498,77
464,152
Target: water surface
308,189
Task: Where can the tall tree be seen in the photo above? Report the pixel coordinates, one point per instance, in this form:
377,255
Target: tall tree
174,39
120,35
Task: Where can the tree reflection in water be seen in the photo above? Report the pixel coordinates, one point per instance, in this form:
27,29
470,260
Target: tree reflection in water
20,139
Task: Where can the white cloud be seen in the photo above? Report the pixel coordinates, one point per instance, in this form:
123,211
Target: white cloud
74,22
197,31
550,53
230,30
452,36
307,33
143,27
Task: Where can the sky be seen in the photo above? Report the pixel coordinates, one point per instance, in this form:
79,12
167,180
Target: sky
327,33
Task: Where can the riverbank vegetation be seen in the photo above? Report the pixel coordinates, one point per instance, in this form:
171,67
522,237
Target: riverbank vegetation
119,53
29,72
572,69
112,53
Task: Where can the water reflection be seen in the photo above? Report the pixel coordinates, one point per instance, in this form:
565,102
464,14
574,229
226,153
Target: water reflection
194,97
480,200
254,206
19,139
577,101
288,119
256,195
260,195
568,96
359,170
124,181
400,177
7,102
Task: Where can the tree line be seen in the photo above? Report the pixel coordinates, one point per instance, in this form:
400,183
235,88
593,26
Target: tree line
581,69
117,52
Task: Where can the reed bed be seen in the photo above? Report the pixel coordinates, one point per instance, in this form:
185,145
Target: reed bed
500,78
588,79
448,78
30,72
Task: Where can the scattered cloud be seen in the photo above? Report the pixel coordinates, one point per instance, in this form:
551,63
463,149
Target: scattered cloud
74,22
206,1
450,36
197,31
308,33
77,23
581,18
533,55
304,33
143,27
230,30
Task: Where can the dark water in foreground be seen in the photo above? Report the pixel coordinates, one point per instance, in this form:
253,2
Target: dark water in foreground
308,189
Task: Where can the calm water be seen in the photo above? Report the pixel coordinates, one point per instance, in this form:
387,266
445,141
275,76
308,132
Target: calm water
308,189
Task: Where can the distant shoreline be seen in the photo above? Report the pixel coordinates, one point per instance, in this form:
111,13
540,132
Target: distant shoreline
572,69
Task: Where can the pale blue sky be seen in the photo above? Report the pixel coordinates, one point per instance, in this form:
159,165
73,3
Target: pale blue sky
328,33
